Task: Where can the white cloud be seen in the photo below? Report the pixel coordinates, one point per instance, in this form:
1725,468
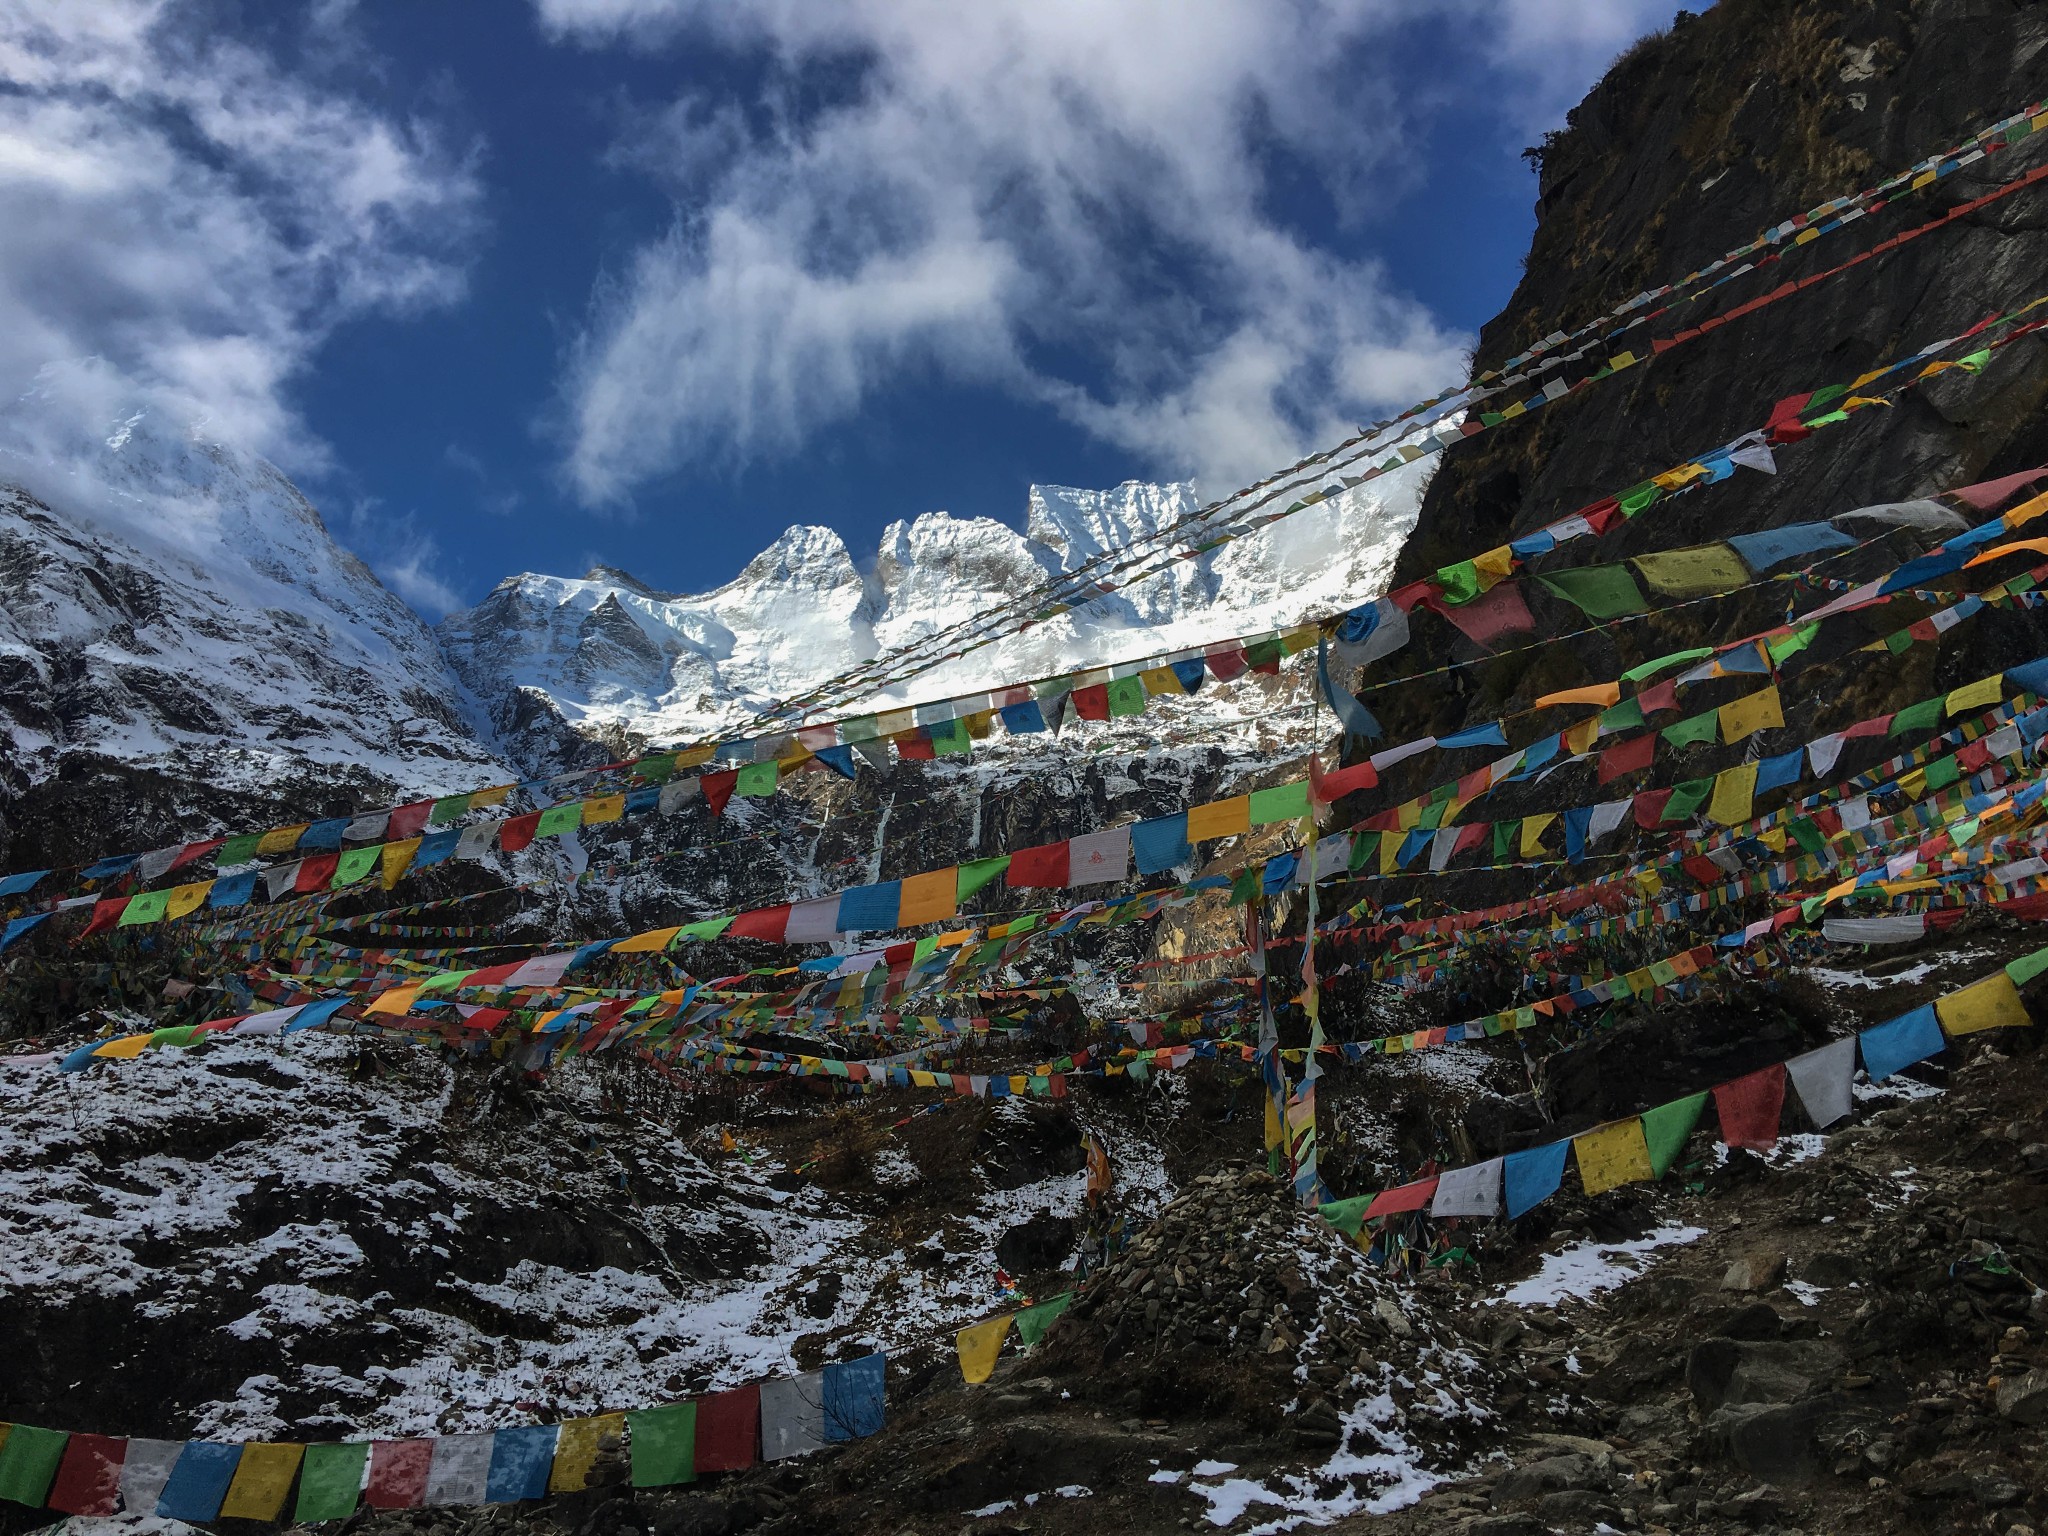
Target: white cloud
405,557
199,217
1068,199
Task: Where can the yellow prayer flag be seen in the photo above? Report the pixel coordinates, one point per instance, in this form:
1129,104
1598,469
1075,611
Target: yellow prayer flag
397,1000
123,1048
1223,818
695,757
1161,680
280,839
495,795
2026,511
980,1346
1744,717
1390,852
1992,1003
1697,572
1913,783
653,941
1532,832
1613,1155
1774,839
1407,814
394,857
980,725
599,809
1734,790
1837,892
1649,882
922,1078
1977,695
187,898
576,1449
1302,637
1580,738
262,1478
1494,567
930,898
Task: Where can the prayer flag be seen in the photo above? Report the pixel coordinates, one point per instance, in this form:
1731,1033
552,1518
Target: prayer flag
1602,694
854,1392
1045,865
1734,794
1098,858
1529,1178
1696,572
1992,1003
664,1445
521,1459
1627,757
1666,1128
199,1482
1822,1078
576,1449
728,1429
263,1478
1598,591
927,898
29,1459
1473,1191
976,873
1745,717
792,1416
1283,802
1613,1155
1898,1043
1161,844
1222,818
145,1470
1406,1197
1749,1108
88,1478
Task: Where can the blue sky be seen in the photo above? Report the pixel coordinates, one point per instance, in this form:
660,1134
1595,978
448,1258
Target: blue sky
534,285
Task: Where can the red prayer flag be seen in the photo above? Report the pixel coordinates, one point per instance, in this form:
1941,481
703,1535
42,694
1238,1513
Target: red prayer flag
1224,665
518,832
193,851
1496,612
728,1429
1878,727
769,923
105,914
315,871
1627,756
407,820
1409,1197
915,746
1405,598
398,1473
1649,808
1328,788
1663,696
1705,870
1471,837
717,788
1044,865
1602,515
1749,1108
1092,703
89,1478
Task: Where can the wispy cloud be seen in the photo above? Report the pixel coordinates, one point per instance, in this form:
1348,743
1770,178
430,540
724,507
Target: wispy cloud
199,215
1069,200
403,554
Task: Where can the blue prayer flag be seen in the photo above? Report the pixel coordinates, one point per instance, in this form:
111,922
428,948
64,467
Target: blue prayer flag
1023,719
1529,1178
854,1397
1161,844
1761,551
199,1481
1777,772
14,885
521,1459
1488,735
232,890
871,906
1911,1037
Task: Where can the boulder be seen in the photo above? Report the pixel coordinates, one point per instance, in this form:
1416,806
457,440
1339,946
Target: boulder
1725,1372
1754,1272
1553,1474
2024,1399
1769,1439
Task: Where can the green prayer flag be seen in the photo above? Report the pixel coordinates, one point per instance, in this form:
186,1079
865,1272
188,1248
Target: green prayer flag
1922,716
1899,640
664,1444
1347,1216
1126,696
1244,889
1598,591
145,908
1807,835
1687,798
237,850
330,1480
28,1463
1283,802
1701,727
444,981
926,948
758,779
1645,669
1032,1322
2023,970
1666,1127
558,819
1505,836
655,768
448,808
1943,771
1636,500
1792,644
710,928
860,728
1430,817
974,875
950,738
1625,716
1460,582
354,865
1365,849
1263,653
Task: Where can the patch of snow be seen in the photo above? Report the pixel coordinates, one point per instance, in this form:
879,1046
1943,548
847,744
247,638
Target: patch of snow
1207,1468
1589,1267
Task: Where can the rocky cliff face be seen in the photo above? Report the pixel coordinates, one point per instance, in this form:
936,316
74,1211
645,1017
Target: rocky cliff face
180,637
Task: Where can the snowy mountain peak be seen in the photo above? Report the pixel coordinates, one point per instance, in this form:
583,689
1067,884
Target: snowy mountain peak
1078,525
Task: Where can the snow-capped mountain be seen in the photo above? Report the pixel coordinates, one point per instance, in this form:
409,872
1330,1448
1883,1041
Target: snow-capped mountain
173,605
608,649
